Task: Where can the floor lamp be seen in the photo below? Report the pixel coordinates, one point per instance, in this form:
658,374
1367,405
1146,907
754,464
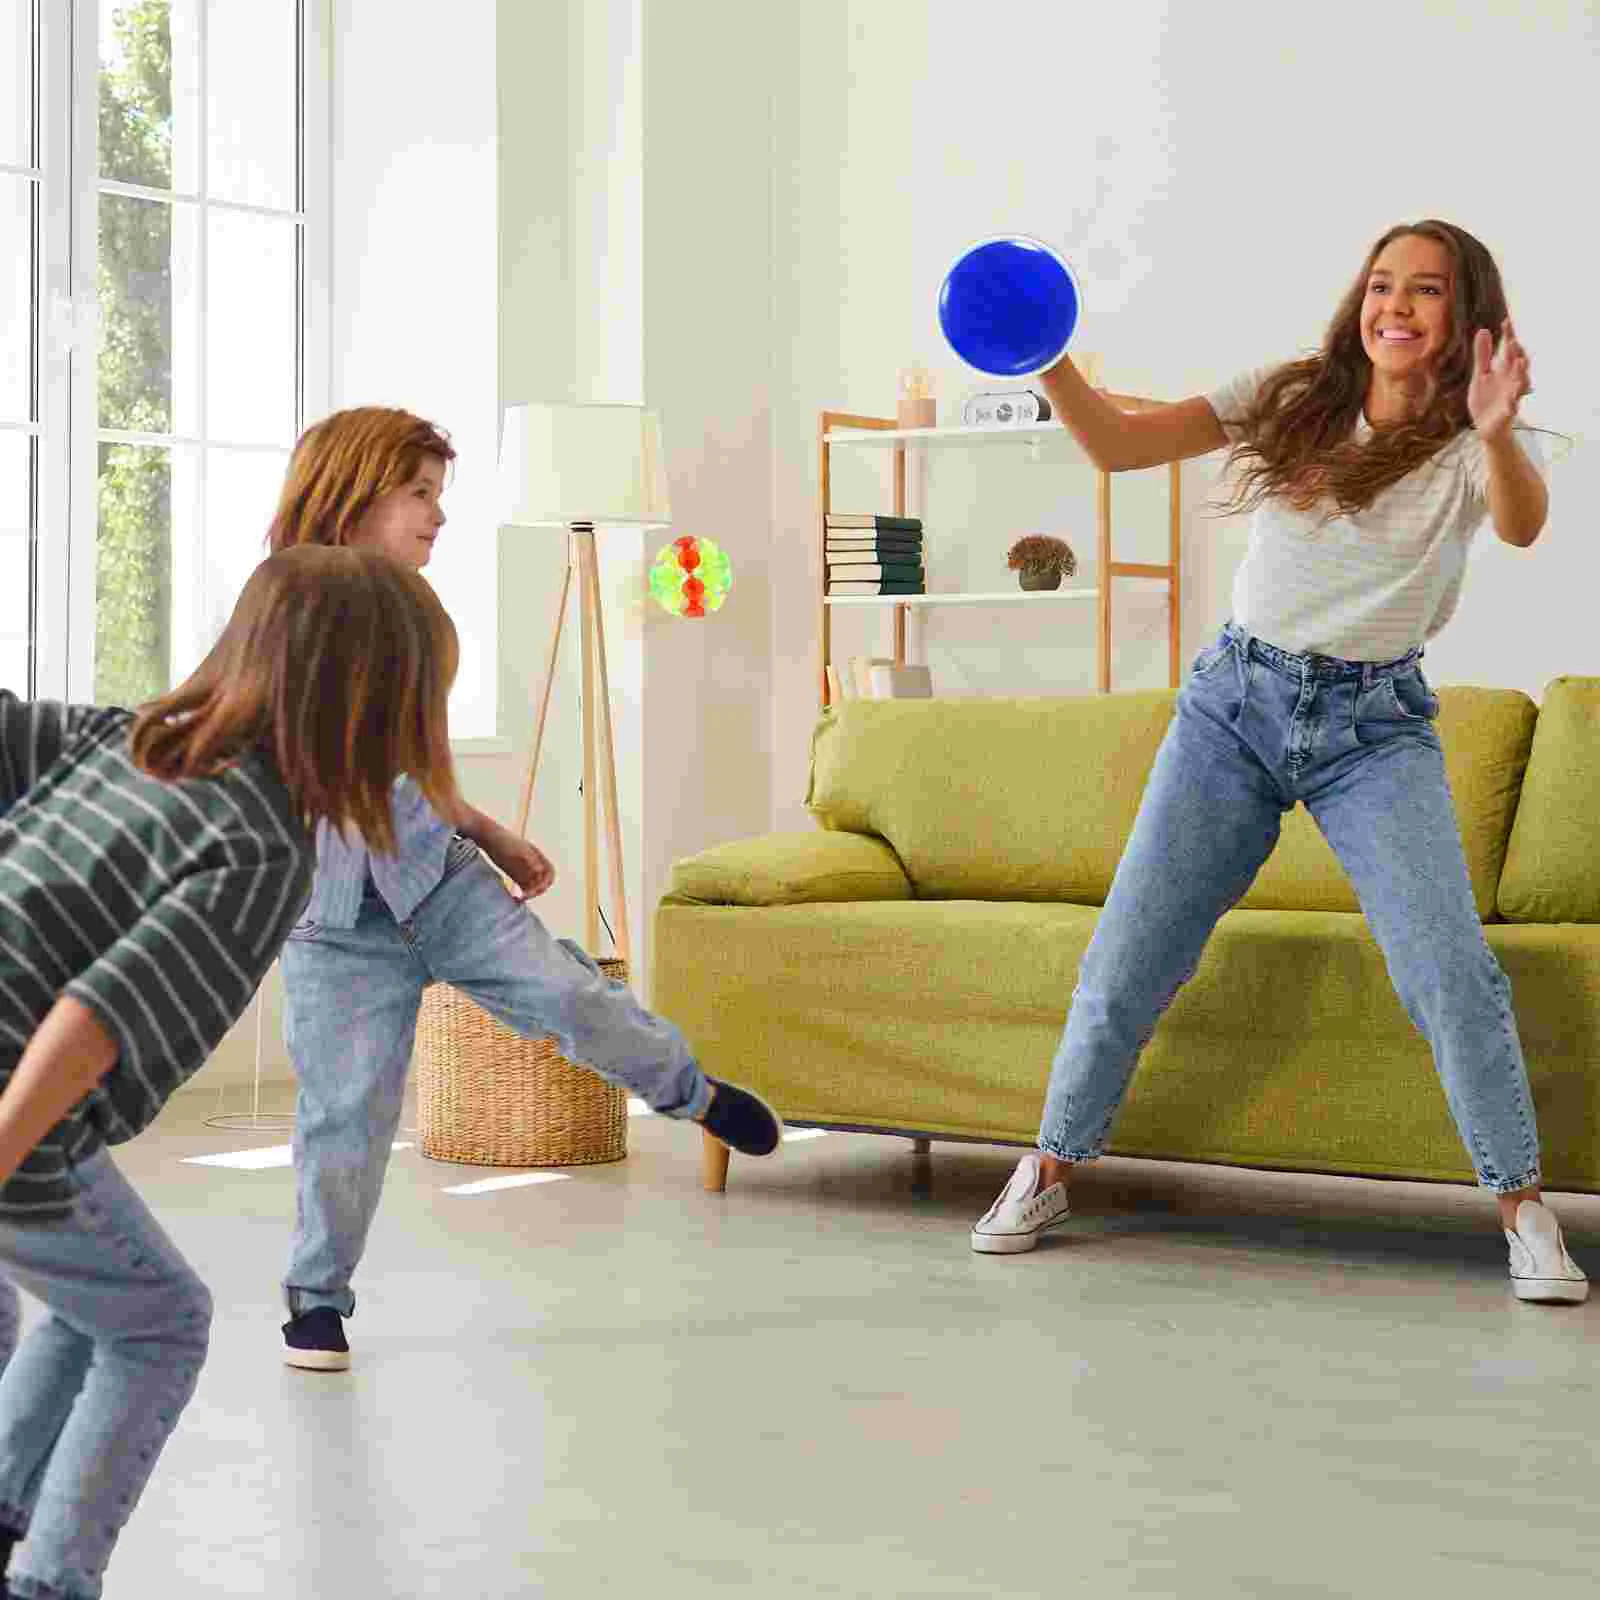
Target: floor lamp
577,467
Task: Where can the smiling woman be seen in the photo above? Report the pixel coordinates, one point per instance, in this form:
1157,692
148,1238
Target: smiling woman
1370,465
1405,324
1399,356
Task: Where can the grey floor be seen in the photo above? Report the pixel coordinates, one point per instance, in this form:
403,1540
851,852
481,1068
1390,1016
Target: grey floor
1211,1383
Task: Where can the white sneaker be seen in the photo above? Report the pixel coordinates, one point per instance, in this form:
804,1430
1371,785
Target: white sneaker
1015,1221
1541,1269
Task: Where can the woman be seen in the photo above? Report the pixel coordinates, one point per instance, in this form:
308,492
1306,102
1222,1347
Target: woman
1369,466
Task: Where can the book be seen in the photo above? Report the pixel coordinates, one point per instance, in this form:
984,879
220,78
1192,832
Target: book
857,572
877,586
901,555
869,545
838,519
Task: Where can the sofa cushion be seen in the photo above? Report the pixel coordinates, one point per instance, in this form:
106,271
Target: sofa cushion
789,869
992,799
1552,868
1486,734
1288,1048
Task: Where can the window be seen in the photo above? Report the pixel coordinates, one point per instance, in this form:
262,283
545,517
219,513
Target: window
19,341
167,376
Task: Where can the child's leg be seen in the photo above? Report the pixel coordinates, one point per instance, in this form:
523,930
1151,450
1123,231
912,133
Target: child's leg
11,1523
475,936
350,1019
10,1321
91,1397
48,1372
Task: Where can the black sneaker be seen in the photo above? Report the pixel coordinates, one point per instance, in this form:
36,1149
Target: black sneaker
742,1121
316,1341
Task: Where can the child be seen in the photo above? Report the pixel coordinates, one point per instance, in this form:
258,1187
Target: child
150,868
382,924
1370,465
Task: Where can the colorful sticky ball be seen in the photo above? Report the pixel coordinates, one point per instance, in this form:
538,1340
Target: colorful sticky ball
691,577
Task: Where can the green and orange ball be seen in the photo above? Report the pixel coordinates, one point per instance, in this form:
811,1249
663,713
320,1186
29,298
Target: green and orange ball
691,576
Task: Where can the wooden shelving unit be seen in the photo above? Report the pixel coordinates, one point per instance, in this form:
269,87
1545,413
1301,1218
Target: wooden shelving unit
845,430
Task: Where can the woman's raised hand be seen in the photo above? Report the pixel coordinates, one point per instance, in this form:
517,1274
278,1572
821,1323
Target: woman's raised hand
1499,380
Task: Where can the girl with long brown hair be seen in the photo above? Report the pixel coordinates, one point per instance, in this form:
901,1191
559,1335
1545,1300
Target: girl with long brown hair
385,919
1369,466
150,868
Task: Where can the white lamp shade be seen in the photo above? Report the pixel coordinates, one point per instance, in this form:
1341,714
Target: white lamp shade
582,463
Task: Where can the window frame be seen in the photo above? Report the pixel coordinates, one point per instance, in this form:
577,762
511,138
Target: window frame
64,510
45,216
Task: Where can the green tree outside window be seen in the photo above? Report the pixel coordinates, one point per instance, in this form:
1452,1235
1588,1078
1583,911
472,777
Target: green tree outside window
133,598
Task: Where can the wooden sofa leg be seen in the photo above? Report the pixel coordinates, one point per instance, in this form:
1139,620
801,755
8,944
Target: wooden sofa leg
713,1163
921,1147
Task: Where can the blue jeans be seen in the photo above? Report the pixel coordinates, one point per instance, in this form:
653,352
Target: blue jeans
1257,729
350,1017
89,1399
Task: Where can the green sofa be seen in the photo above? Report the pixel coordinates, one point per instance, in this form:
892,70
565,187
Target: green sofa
908,968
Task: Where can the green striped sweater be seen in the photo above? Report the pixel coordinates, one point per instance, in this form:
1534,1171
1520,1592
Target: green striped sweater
159,905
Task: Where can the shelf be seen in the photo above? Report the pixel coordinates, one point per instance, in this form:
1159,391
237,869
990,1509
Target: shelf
959,599
1039,442
935,437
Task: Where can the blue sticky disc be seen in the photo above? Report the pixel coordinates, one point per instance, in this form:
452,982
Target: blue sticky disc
1008,306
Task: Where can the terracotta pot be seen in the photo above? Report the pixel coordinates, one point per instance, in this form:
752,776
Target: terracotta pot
1040,577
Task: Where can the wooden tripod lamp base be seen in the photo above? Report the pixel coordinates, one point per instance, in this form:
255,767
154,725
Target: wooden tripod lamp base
583,560
577,467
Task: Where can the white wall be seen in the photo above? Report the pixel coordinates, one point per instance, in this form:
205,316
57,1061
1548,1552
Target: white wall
627,276
571,308
709,344
1215,174
416,273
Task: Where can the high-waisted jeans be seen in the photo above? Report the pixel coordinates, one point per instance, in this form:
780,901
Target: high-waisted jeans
1258,729
351,997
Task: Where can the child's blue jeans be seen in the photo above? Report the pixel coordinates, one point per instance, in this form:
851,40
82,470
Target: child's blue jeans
351,997
90,1397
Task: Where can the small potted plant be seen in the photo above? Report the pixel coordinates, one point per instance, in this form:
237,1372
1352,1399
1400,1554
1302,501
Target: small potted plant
1041,562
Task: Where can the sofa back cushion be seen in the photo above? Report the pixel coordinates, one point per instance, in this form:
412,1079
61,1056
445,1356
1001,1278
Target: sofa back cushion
1486,734
993,799
1552,870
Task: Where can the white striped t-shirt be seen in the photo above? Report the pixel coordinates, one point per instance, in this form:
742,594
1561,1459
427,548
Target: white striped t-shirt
1372,586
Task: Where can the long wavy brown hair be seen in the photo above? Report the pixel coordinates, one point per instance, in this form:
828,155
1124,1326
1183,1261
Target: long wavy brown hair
337,663
342,464
1297,443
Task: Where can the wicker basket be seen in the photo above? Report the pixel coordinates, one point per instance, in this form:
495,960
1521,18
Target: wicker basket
488,1096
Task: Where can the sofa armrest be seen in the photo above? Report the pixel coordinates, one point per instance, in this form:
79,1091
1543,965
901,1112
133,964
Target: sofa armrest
790,869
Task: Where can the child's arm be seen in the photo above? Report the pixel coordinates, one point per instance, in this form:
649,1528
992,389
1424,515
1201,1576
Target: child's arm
524,864
68,1055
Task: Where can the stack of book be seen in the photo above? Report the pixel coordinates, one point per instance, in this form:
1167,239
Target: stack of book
874,555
